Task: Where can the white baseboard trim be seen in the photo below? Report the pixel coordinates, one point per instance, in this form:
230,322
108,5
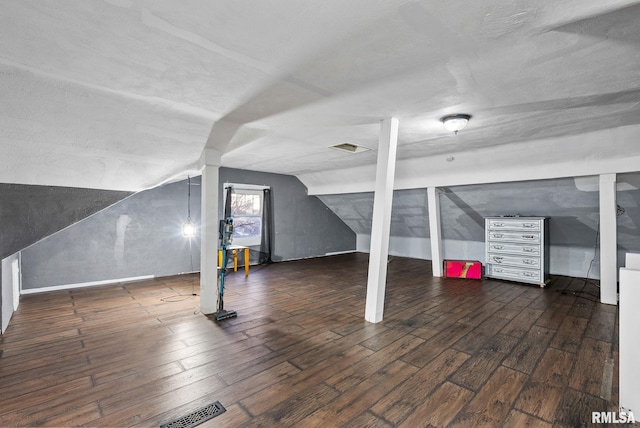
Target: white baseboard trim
335,253
84,284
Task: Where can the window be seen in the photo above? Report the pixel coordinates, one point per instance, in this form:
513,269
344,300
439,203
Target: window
246,210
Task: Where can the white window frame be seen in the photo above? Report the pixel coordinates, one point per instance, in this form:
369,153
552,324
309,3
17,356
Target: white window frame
246,189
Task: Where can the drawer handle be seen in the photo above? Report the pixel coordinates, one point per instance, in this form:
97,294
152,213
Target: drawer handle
498,259
526,274
498,224
497,270
497,247
528,262
497,235
528,236
527,249
529,225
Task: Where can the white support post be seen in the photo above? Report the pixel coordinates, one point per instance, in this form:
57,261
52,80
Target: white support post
608,240
629,371
381,222
209,234
433,201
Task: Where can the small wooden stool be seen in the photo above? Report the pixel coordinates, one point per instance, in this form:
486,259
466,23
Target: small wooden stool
234,250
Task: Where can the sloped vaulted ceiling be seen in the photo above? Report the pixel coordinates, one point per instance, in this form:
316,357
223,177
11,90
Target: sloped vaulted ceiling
124,94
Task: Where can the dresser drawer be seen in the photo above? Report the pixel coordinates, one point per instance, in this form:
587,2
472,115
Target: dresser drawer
528,237
517,249
513,224
524,249
521,261
514,273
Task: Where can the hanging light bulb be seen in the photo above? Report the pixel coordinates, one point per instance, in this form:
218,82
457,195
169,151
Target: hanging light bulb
189,228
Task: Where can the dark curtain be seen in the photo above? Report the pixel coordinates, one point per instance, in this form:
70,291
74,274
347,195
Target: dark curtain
266,239
227,203
227,214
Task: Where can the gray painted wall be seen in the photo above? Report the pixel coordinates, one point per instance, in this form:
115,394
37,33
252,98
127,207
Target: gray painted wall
409,212
304,226
141,235
572,205
29,213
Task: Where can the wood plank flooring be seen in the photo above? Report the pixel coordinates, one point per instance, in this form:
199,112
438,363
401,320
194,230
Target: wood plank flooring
449,352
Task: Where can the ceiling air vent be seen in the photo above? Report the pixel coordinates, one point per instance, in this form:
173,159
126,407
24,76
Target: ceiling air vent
351,148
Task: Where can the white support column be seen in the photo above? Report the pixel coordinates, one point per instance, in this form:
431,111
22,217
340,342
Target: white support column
433,200
381,222
608,240
209,232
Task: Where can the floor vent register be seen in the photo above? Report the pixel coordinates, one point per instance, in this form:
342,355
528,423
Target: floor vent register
197,417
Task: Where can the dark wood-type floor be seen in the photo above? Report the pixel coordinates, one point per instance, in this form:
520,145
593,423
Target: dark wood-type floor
450,352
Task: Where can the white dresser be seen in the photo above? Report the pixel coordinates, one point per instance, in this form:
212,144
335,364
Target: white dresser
517,249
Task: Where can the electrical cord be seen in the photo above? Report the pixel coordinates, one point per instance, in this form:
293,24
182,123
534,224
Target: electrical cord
595,252
193,280
175,298
579,293
619,211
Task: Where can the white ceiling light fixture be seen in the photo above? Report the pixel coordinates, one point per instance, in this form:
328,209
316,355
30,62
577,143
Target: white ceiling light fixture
455,122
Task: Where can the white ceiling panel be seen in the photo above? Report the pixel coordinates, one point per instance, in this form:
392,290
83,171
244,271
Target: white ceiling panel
122,94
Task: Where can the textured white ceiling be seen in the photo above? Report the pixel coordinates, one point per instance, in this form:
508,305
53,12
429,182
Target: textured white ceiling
123,94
